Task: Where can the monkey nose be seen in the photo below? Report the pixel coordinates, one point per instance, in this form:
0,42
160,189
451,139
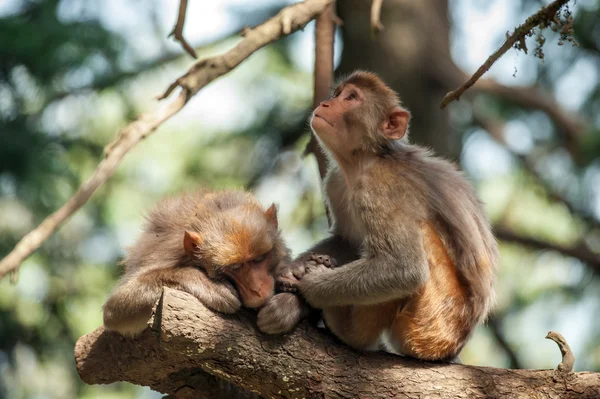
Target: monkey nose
324,104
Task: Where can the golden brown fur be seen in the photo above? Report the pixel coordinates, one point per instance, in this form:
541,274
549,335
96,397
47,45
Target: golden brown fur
226,229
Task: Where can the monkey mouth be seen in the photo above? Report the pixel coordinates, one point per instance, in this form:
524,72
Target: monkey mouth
320,117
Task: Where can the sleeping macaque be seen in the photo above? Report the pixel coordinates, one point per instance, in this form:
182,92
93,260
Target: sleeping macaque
416,253
222,247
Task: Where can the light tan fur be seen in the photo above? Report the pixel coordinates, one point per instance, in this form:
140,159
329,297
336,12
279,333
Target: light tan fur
222,247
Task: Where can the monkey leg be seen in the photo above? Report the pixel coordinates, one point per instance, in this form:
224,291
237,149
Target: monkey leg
362,327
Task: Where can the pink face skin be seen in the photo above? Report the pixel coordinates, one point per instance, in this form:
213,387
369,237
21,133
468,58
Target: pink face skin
328,115
329,124
254,281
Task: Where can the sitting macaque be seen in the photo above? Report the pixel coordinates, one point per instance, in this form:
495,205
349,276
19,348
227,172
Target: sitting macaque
416,253
222,247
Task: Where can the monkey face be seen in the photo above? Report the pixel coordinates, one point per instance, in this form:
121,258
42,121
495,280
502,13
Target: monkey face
241,246
363,113
254,280
330,120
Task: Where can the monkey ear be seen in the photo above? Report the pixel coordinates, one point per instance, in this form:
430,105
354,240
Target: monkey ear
396,124
271,215
191,241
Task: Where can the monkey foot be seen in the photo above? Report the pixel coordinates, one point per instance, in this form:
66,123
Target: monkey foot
285,284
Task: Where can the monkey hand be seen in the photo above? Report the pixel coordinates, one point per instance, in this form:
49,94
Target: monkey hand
281,314
288,281
220,296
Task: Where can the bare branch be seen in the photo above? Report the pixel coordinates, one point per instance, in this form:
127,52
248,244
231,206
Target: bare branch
177,31
185,338
199,75
376,25
546,14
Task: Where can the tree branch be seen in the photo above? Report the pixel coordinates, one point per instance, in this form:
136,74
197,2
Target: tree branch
376,25
323,79
493,323
177,31
495,128
200,74
572,126
546,14
186,339
580,252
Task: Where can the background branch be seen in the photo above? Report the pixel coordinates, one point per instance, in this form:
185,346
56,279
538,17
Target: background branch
177,31
495,128
545,15
200,74
580,252
185,338
493,323
323,78
376,25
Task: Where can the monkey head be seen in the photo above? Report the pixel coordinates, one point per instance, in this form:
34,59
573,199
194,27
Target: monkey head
362,114
242,245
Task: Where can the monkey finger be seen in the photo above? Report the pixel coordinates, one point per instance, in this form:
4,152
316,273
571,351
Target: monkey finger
287,285
299,272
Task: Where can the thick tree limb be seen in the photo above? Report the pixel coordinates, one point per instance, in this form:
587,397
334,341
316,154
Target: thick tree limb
187,339
546,14
289,20
177,31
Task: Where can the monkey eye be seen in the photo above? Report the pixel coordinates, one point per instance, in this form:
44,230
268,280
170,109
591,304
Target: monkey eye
235,266
259,258
351,96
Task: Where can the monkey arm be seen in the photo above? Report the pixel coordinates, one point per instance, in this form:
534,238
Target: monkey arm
336,247
130,305
390,271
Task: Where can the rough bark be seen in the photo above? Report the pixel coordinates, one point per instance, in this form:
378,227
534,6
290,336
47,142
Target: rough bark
185,341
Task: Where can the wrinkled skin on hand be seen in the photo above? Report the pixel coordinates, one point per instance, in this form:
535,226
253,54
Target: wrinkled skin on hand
313,263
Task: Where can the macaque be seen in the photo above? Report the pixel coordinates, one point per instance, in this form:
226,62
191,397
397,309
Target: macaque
416,254
222,247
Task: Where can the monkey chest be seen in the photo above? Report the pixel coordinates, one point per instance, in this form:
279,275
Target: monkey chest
350,223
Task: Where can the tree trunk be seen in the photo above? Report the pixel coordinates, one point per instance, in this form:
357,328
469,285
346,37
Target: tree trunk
185,341
407,54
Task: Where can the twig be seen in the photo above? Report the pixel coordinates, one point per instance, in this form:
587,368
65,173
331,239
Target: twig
376,25
568,359
177,31
199,75
545,14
